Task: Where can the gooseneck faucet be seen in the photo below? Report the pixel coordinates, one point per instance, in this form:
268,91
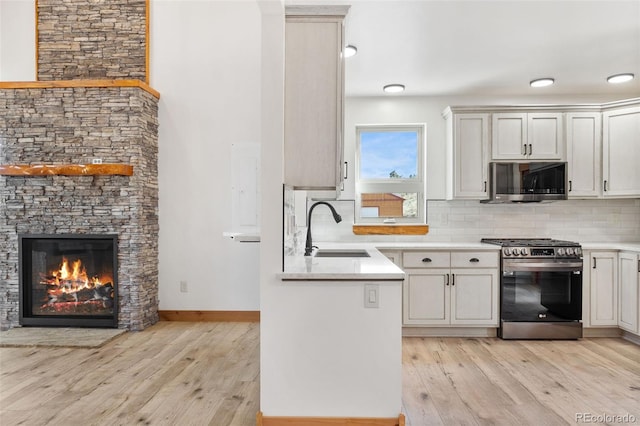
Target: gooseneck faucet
308,248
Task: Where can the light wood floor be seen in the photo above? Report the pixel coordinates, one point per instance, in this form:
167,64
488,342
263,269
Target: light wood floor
178,373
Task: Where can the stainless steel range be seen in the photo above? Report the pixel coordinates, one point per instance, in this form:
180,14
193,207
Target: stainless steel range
540,288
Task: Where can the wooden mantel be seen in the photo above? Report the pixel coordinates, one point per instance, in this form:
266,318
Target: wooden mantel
66,169
78,83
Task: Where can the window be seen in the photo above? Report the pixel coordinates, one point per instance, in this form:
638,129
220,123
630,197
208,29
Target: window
390,182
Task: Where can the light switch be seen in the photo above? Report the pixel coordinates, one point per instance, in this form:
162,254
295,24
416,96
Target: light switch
371,296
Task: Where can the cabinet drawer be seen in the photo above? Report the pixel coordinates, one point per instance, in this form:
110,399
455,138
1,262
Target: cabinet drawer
426,259
474,259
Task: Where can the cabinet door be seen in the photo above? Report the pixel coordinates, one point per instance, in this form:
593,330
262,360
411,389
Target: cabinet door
584,147
509,136
628,300
621,152
426,297
474,297
314,97
544,136
471,155
604,288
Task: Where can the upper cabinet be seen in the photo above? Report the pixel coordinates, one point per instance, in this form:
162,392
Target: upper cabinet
527,136
584,154
600,142
621,152
314,96
467,154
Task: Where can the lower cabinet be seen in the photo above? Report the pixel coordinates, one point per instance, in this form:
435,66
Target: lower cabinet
445,288
629,292
603,287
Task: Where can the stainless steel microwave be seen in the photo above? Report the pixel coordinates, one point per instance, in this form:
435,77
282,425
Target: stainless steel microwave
527,182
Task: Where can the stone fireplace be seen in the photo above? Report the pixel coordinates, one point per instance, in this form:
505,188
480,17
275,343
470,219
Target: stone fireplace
78,157
68,280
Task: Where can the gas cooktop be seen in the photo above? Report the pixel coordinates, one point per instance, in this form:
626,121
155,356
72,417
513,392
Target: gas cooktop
529,242
536,247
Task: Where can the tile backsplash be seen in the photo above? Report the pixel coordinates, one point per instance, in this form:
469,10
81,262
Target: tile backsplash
469,221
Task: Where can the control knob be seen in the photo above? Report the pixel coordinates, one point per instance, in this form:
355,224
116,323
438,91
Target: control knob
561,252
507,251
523,251
569,251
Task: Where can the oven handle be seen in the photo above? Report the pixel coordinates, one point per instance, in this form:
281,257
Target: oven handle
543,266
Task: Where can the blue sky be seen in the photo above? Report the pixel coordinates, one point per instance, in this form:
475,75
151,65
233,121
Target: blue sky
382,152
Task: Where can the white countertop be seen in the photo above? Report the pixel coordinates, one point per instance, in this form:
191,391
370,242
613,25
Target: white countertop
436,246
611,246
374,268
379,267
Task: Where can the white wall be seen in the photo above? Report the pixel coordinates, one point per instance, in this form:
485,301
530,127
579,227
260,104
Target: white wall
205,62
17,40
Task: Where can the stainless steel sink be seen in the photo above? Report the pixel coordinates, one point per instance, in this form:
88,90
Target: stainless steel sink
342,253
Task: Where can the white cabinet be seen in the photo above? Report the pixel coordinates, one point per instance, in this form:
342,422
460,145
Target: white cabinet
584,154
314,97
457,288
621,152
467,155
603,288
527,136
629,298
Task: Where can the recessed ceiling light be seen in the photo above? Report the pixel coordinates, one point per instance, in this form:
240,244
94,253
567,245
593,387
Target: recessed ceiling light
393,88
541,82
620,78
350,51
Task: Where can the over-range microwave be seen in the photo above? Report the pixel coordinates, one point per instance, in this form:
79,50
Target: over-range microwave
527,182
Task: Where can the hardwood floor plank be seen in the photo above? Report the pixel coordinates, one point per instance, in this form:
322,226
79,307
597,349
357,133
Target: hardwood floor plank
178,373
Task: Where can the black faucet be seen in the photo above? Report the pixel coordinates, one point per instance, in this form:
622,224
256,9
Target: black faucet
308,248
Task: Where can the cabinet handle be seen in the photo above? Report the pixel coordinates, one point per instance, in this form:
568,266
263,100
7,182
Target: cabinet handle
474,260
638,265
453,279
485,186
446,280
594,263
426,260
530,150
605,186
346,169
524,149
570,186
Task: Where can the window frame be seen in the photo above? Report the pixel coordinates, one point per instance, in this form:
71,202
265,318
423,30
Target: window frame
400,185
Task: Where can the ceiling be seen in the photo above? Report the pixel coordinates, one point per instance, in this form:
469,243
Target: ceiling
492,47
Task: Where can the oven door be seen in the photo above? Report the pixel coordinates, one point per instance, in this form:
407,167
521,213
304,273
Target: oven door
540,290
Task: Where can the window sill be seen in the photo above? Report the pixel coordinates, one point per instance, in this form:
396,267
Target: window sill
390,229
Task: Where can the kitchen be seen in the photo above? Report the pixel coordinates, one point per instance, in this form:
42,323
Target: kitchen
190,149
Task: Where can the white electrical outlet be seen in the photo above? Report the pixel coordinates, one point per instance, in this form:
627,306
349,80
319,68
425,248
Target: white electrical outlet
96,161
183,287
371,295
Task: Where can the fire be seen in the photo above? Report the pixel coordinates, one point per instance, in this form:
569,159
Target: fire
71,283
74,278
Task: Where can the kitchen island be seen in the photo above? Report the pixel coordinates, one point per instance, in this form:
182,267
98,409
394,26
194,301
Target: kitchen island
334,348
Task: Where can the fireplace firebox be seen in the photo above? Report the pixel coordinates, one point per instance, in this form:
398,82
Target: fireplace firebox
68,280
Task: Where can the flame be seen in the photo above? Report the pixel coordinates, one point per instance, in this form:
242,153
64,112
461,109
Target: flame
72,277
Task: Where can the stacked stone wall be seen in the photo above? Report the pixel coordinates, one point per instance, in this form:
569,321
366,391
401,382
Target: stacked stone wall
97,39
74,126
